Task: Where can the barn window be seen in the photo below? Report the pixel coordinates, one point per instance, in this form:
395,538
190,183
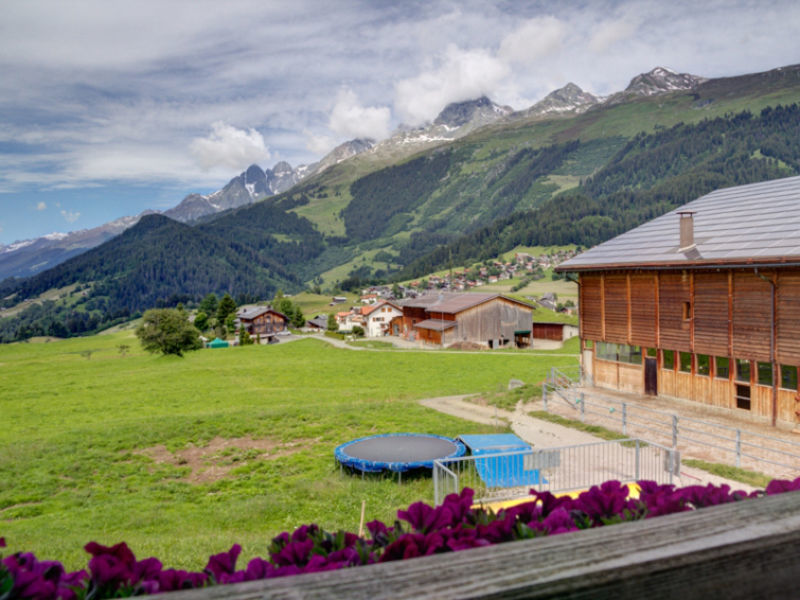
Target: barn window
742,370
743,397
764,370
687,311
723,367
668,359
685,363
652,353
788,377
703,364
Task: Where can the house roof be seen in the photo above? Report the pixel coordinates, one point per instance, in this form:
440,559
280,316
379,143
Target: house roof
250,313
367,310
435,324
743,225
454,302
320,321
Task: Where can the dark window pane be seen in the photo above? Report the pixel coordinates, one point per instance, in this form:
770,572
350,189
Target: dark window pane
686,362
764,373
723,370
788,377
668,361
742,370
743,397
703,364
651,353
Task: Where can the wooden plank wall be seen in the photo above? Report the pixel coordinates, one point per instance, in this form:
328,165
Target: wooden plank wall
752,316
788,318
616,303
711,314
591,312
643,310
673,292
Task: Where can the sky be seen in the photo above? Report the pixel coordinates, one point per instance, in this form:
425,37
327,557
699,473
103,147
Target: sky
109,108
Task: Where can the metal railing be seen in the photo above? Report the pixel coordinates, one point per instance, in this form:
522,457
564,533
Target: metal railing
510,475
737,446
562,382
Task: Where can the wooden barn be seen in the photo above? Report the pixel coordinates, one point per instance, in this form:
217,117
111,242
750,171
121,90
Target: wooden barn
262,321
702,303
492,320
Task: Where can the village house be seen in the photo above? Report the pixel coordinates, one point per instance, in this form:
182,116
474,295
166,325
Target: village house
262,321
377,318
492,320
702,303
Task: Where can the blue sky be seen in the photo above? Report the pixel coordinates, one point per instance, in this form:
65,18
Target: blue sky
108,108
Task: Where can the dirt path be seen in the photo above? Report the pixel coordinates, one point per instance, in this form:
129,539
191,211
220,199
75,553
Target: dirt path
544,434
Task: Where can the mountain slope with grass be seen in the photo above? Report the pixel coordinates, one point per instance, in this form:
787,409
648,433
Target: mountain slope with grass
574,176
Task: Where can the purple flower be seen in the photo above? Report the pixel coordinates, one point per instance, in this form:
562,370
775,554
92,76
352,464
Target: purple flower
172,580
294,553
777,486
558,521
223,565
425,519
258,568
607,501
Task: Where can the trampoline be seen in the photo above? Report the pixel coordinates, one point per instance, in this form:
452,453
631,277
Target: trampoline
398,452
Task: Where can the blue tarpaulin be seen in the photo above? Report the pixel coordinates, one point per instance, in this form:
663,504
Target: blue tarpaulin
495,467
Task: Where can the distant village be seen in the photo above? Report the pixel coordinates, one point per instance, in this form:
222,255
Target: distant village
437,312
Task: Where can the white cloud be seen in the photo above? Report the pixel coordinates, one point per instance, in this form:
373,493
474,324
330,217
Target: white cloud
609,33
349,118
533,40
458,75
41,206
319,144
229,147
69,216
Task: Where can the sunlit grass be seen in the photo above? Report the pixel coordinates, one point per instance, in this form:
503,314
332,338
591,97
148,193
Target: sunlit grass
81,419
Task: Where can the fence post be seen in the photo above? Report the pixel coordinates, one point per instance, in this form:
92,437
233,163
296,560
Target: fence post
637,461
583,408
435,483
544,396
625,421
738,447
674,431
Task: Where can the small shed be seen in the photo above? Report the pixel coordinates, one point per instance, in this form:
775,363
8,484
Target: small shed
218,343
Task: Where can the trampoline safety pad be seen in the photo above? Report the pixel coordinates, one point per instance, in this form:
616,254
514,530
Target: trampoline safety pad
497,468
397,452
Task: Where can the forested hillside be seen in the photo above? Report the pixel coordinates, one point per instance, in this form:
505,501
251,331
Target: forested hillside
158,262
649,176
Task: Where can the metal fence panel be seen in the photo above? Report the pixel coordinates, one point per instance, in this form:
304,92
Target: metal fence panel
511,475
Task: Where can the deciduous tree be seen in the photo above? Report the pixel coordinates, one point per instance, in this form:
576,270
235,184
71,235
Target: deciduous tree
168,331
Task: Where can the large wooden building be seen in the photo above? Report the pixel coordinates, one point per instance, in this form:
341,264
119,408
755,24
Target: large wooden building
441,319
702,303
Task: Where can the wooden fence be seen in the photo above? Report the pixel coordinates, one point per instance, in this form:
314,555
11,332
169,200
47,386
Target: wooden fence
743,550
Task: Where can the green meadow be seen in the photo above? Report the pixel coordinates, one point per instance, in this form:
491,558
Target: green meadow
182,457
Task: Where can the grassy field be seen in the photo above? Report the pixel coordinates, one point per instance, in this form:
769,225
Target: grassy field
183,457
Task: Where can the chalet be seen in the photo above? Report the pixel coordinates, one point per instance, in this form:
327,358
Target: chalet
262,321
702,303
378,317
442,319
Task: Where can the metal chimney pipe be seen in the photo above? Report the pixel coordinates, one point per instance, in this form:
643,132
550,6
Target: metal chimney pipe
687,230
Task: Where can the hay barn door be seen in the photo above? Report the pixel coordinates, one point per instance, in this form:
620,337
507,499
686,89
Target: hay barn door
651,376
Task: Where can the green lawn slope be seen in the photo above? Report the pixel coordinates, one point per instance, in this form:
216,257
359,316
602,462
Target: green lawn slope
181,458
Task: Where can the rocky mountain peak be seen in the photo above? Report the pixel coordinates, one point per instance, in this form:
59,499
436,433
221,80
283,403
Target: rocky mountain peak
661,80
458,114
566,99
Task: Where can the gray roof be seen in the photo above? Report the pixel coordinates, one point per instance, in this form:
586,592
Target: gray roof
435,324
757,223
454,302
252,312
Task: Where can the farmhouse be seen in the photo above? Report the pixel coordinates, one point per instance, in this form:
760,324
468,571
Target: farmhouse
262,321
377,318
492,320
702,303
